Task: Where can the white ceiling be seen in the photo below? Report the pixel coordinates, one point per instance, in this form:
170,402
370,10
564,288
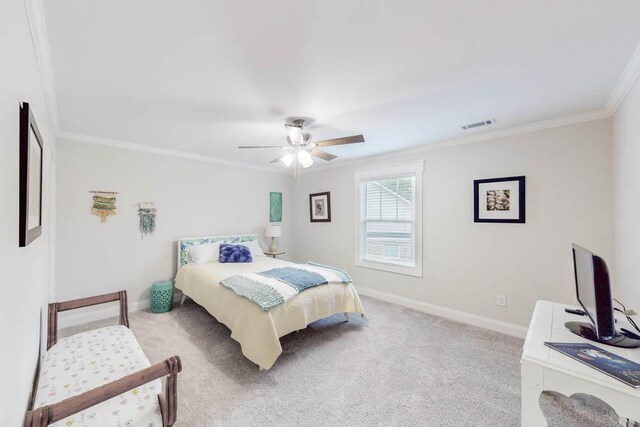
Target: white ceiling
204,76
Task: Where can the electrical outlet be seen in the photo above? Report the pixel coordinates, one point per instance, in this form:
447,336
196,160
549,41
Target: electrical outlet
501,300
135,285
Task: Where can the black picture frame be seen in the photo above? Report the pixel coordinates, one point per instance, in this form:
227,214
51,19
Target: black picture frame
31,178
312,216
521,200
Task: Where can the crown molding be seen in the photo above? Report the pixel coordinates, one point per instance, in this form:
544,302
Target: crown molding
114,143
383,157
40,39
470,139
625,83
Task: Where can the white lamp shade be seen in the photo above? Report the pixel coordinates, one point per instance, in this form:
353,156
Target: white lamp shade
273,230
304,157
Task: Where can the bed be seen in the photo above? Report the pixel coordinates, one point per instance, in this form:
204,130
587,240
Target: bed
257,331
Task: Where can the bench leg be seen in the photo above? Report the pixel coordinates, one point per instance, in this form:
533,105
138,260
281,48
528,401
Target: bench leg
184,298
346,316
169,397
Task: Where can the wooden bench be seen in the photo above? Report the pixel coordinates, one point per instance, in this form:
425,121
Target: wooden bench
74,375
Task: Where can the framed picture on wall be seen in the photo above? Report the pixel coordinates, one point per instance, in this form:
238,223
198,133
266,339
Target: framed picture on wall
320,207
275,207
499,200
31,160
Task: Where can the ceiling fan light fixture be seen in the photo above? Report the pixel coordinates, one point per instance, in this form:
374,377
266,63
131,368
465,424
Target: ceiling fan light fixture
287,159
304,157
295,133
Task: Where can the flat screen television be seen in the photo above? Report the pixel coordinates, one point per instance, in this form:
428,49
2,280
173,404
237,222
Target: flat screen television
593,290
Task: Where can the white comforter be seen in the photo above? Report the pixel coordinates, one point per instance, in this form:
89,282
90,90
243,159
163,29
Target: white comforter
257,331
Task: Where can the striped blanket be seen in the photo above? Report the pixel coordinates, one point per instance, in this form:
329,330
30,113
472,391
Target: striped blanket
273,287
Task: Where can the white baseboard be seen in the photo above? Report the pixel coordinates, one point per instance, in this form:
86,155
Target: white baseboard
448,313
78,317
74,318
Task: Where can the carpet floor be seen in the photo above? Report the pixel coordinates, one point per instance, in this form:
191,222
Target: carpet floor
394,367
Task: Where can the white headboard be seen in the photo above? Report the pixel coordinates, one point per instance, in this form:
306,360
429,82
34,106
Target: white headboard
187,242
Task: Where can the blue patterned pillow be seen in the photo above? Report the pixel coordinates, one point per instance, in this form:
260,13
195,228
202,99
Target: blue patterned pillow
234,253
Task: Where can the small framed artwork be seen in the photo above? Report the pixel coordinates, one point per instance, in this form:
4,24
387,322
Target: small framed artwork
275,207
499,200
320,207
31,159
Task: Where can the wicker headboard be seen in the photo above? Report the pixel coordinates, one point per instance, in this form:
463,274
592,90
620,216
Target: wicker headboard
186,242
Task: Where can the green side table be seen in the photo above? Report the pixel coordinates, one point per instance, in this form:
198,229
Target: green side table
161,296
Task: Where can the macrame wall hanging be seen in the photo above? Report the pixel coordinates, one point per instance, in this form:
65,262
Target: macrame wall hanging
104,204
147,213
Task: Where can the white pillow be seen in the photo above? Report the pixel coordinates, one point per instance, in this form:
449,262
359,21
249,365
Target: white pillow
254,247
199,254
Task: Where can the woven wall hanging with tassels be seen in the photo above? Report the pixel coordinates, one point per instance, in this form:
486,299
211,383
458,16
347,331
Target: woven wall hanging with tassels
147,213
104,204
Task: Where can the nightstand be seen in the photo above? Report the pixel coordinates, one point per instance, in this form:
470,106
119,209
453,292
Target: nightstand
275,254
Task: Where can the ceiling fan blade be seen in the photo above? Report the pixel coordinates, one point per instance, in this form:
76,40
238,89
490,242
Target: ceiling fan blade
321,154
277,159
340,141
261,146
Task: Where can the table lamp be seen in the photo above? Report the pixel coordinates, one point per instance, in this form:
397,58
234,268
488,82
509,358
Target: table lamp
273,231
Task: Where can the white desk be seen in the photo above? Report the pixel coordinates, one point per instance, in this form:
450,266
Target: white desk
544,369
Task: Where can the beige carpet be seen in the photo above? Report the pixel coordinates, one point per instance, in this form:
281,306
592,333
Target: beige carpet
395,367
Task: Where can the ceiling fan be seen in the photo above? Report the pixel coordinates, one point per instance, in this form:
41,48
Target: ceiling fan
300,149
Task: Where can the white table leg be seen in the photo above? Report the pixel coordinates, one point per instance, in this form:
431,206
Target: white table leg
531,378
532,415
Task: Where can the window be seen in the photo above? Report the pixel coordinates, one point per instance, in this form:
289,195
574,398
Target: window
390,251
390,219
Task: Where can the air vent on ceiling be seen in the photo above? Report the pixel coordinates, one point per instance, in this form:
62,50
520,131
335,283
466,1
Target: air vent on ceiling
478,124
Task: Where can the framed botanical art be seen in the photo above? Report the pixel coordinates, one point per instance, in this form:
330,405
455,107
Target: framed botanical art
275,207
31,159
320,207
499,200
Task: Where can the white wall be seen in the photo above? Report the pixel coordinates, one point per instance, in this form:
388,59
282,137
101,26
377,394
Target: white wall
569,199
25,271
626,138
193,198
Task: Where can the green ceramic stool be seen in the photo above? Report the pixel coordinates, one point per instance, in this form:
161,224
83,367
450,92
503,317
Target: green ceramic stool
161,296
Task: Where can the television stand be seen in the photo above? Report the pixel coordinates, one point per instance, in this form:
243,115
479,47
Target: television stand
588,331
547,369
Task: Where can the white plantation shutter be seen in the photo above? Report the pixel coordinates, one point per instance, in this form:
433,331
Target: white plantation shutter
387,227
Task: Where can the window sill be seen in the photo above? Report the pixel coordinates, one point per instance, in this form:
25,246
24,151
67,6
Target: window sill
407,271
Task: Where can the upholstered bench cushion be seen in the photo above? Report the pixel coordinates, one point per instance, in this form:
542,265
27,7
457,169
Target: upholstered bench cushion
90,359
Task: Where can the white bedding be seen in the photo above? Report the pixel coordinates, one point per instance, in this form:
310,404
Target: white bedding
258,331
